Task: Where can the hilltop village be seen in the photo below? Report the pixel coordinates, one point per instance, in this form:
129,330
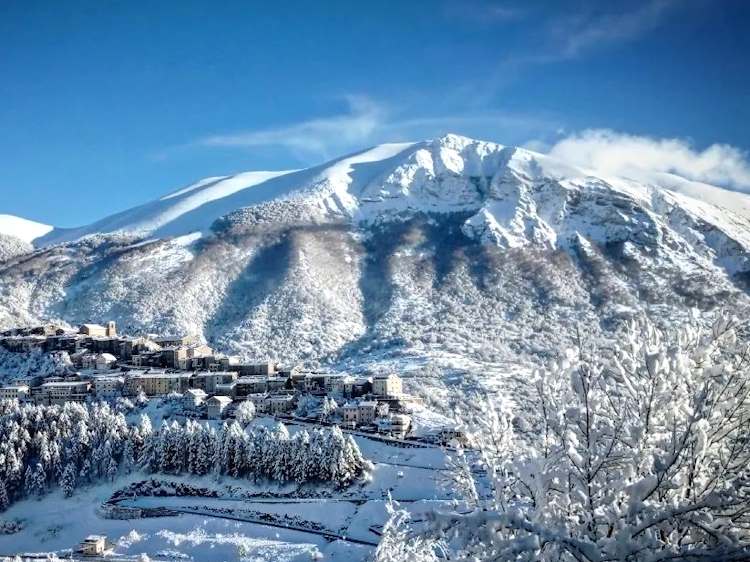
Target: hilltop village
100,365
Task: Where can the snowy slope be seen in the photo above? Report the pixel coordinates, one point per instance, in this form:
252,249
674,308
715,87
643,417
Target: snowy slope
22,229
453,246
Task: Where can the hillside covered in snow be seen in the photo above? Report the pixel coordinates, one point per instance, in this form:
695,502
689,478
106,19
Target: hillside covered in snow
452,246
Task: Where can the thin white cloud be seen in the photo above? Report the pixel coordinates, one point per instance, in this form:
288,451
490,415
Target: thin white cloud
622,154
315,136
486,12
585,31
366,122
568,37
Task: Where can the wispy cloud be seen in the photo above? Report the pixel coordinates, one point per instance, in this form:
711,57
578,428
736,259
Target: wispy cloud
582,32
316,136
622,154
485,12
571,36
365,122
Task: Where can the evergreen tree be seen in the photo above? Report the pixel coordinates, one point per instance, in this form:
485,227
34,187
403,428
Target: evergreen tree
68,481
112,470
4,500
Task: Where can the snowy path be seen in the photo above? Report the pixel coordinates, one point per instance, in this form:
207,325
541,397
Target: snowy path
329,535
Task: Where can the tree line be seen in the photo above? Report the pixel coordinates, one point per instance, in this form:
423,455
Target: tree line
43,447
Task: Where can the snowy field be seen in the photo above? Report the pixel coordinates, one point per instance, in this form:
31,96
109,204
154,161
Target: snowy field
212,528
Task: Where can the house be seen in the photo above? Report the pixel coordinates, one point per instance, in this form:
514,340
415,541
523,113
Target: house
177,341
350,413
199,350
368,411
210,362
208,380
146,358
174,356
14,392
24,343
59,392
386,385
93,545
250,385
343,385
130,347
397,425
29,380
226,389
71,343
447,435
263,369
325,383
260,401
104,361
193,397
154,383
360,387
97,330
216,405
108,387
280,404
364,412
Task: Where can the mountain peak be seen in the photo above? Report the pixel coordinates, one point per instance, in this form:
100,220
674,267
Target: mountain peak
23,229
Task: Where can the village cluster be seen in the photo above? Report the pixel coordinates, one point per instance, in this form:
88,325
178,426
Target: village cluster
102,365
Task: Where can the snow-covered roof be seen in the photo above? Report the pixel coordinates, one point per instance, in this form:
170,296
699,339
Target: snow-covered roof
162,375
16,387
281,397
220,399
107,357
64,383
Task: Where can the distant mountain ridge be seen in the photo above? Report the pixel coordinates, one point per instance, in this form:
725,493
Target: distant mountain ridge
451,246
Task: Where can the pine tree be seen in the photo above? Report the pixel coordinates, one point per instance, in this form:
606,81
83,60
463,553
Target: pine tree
68,481
28,482
85,472
112,470
4,501
128,457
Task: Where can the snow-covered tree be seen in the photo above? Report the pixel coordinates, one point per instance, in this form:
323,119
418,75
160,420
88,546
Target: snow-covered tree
4,500
634,451
327,408
244,413
68,481
78,444
35,481
399,544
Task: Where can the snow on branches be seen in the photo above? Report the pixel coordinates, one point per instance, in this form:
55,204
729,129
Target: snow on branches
636,451
73,445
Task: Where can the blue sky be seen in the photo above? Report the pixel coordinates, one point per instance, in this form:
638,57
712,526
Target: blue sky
105,105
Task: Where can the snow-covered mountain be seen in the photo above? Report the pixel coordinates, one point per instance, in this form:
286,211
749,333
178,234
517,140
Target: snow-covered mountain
448,246
17,233
22,229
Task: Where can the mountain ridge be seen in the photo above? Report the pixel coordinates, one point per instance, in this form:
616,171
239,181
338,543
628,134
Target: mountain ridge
452,247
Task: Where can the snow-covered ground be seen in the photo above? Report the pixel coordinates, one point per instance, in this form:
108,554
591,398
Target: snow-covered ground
55,524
